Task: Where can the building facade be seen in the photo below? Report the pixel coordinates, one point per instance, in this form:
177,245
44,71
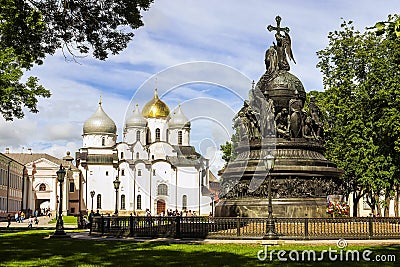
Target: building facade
11,185
41,188
155,166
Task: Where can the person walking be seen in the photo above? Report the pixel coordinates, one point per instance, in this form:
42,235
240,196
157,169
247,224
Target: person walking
30,222
8,220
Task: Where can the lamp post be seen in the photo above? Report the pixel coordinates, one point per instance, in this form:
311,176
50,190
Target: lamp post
92,193
269,162
212,195
60,224
116,183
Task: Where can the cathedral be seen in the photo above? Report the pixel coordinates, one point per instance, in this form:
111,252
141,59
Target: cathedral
154,169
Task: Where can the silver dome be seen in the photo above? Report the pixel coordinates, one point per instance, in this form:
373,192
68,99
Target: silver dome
136,119
99,123
178,119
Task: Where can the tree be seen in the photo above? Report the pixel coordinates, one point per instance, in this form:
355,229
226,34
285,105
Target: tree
32,29
391,27
362,102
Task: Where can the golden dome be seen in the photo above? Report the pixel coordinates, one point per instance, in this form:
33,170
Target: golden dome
155,108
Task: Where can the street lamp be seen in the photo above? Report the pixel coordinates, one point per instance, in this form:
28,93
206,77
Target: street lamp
60,224
269,162
212,195
116,183
92,193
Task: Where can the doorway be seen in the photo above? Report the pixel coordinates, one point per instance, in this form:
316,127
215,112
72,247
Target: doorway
160,206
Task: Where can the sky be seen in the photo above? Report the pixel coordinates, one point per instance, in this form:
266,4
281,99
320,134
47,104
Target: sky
202,55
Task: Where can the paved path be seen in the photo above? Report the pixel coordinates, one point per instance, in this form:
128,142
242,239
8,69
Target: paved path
43,222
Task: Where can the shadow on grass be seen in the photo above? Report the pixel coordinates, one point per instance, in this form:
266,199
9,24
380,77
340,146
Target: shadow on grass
32,248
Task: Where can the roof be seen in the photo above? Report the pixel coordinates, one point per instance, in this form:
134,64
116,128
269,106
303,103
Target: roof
25,158
211,177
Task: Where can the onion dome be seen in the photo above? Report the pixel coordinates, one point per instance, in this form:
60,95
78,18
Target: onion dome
136,119
155,108
178,119
99,123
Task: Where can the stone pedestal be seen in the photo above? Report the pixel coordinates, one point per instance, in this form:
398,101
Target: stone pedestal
285,207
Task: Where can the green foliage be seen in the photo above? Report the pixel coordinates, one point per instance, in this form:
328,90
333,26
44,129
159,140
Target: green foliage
391,27
13,93
361,76
30,30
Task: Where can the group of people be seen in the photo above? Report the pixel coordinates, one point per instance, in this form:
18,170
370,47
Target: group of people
19,217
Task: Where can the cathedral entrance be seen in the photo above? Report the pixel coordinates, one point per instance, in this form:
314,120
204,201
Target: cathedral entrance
160,206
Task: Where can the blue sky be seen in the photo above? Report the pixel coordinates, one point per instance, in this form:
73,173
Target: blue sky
204,54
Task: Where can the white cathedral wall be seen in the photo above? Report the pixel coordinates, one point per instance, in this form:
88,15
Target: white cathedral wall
96,140
153,124
173,136
102,184
130,135
160,150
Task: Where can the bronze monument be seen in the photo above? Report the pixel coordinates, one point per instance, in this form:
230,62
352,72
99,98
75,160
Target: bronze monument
274,122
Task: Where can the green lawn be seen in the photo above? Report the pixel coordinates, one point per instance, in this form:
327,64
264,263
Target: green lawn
32,248
66,220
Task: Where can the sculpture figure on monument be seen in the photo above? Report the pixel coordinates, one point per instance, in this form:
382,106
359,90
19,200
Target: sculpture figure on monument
277,54
308,131
281,121
296,116
283,45
315,114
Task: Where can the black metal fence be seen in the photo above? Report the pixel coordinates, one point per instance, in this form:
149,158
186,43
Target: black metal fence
250,228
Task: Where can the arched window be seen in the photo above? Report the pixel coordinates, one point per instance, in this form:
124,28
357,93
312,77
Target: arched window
98,201
137,155
179,137
122,155
122,202
137,135
103,141
42,187
139,202
184,202
162,190
158,134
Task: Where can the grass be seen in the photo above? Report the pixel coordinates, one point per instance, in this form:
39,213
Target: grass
32,248
66,220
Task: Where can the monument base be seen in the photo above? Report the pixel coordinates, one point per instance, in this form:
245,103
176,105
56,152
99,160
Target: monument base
284,207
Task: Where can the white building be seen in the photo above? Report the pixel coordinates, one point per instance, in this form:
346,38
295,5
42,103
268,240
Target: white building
155,164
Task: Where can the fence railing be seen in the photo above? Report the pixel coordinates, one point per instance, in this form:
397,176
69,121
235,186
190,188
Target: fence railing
244,227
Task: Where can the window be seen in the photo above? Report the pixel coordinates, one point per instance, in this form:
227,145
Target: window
103,141
123,172
158,133
71,187
122,202
122,155
184,202
137,155
137,135
154,172
139,202
139,172
42,187
106,173
98,201
72,210
179,137
162,190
